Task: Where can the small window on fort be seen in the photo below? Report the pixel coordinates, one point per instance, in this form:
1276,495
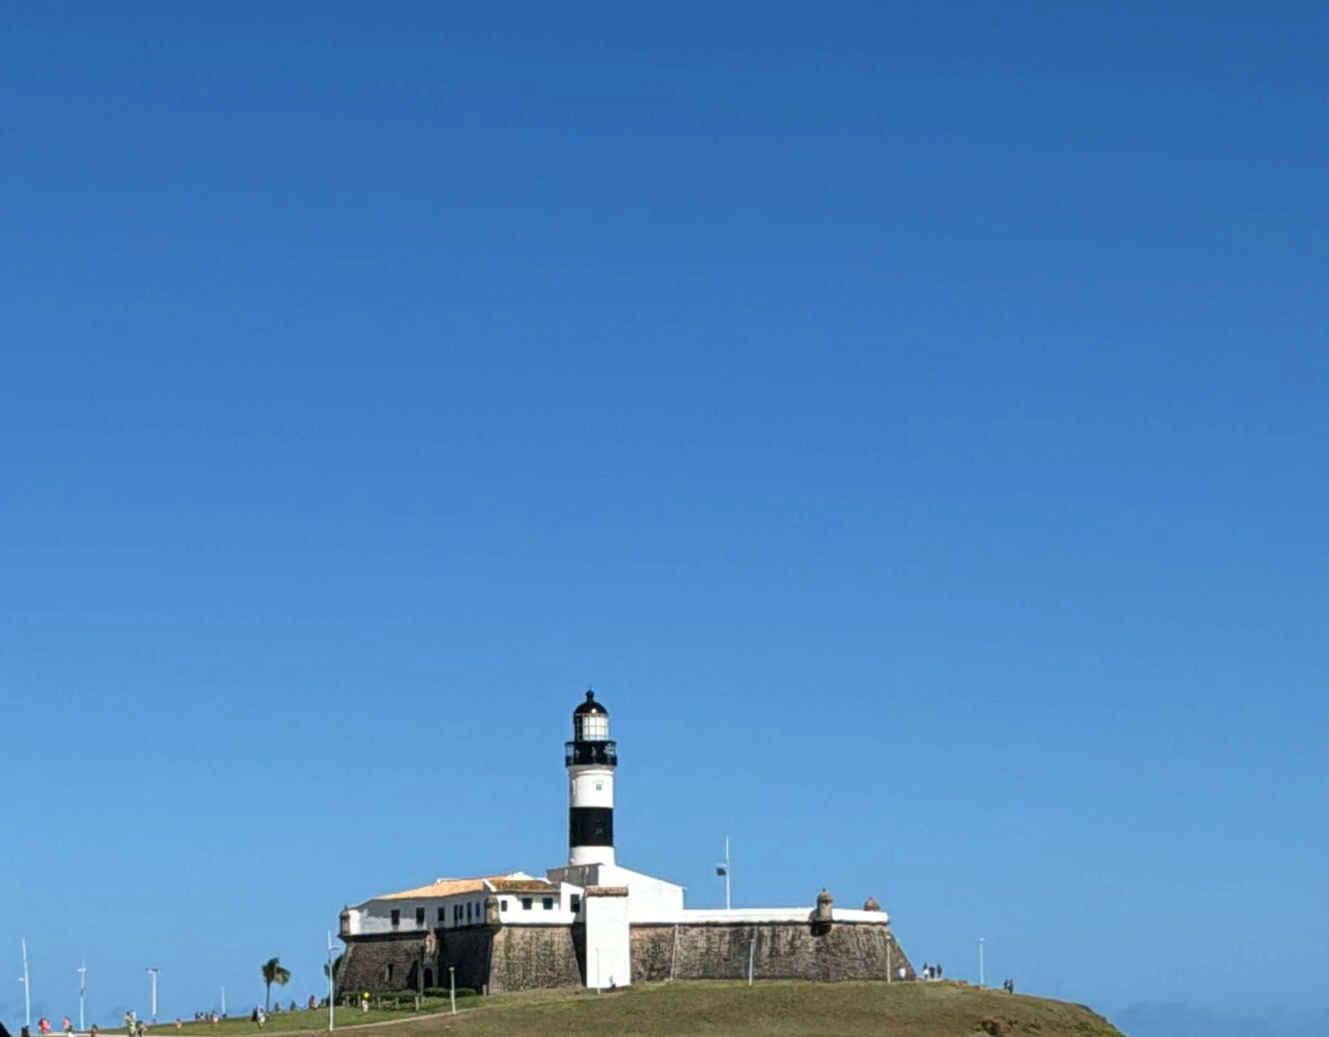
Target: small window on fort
468,910
502,905
396,918
419,916
549,903
390,969
525,903
440,915
576,902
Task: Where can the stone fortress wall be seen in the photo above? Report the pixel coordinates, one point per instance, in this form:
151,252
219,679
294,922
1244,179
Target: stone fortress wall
780,950
500,959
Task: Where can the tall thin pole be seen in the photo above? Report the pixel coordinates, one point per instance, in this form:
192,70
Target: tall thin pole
82,985
728,867
722,869
27,999
980,961
223,1002
752,953
332,1019
452,986
152,971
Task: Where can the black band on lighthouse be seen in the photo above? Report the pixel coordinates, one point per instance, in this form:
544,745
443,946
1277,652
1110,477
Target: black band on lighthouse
590,826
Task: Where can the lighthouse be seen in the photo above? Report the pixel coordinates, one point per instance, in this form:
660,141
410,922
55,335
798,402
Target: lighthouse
591,758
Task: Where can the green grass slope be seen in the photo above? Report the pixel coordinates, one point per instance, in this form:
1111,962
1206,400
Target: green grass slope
718,1009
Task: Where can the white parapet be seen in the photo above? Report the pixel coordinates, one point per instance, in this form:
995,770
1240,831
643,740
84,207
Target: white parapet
758,916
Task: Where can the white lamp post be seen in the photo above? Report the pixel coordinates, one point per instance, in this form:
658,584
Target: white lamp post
980,961
332,1019
452,987
27,999
82,985
152,971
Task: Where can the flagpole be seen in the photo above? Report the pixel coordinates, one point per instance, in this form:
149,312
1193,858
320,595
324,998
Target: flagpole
728,867
722,870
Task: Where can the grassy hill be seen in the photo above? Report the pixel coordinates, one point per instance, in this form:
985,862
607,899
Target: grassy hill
719,1009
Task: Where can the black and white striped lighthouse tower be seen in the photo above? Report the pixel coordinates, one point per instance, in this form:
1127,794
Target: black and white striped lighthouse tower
591,758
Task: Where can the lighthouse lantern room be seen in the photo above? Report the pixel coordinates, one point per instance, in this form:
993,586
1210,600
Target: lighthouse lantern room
591,758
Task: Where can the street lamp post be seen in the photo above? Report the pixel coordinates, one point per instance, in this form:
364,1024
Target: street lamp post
980,961
82,985
332,1019
152,971
27,998
452,987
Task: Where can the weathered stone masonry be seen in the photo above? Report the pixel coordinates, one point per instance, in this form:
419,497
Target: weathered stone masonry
784,950
499,959
509,958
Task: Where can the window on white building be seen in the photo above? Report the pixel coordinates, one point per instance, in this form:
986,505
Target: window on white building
525,903
549,903
419,916
396,918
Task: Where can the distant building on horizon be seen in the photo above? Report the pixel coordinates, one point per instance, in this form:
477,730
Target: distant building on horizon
596,924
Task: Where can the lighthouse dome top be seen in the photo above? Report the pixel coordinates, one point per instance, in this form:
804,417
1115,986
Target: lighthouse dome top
590,706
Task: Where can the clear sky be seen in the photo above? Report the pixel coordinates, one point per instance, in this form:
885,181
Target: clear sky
910,418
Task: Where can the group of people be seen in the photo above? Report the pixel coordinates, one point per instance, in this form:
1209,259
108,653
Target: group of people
44,1026
260,1015
934,972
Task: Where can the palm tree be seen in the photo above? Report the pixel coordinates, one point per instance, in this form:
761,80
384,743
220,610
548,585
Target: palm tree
273,973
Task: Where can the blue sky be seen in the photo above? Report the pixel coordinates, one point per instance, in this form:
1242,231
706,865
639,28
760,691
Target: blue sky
910,419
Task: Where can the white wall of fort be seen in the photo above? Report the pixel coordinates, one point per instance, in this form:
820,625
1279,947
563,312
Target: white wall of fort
383,917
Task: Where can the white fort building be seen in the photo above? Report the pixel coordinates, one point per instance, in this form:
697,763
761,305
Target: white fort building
594,923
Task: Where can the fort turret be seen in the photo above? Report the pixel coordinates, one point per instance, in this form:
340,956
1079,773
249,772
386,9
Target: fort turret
591,758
